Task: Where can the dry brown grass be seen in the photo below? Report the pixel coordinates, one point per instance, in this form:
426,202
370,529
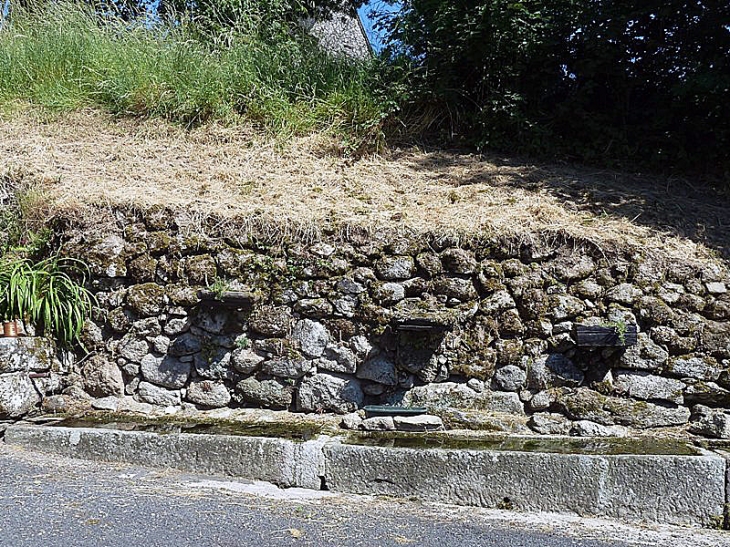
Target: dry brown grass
88,159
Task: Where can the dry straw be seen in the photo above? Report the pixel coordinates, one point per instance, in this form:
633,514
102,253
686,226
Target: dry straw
87,159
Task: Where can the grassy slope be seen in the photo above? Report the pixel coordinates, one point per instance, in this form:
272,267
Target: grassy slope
63,59
274,111
90,159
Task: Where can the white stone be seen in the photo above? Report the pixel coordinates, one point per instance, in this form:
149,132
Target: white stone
378,423
716,287
586,428
424,422
312,337
642,385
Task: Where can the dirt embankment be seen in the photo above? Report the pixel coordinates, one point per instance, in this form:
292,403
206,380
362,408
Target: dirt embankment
89,159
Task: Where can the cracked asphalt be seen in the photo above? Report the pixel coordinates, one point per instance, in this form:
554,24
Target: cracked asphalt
55,501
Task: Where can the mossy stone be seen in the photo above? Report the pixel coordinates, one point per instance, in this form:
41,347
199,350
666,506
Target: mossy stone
158,242
143,268
201,270
146,300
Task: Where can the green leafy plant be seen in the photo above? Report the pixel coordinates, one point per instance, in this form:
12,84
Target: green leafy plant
219,287
243,342
620,328
49,293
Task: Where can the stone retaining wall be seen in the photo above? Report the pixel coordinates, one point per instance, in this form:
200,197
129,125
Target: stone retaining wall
326,330
29,370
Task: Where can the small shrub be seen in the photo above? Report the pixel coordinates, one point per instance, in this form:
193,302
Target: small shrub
49,293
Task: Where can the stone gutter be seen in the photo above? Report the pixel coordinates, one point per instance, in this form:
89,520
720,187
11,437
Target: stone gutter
674,489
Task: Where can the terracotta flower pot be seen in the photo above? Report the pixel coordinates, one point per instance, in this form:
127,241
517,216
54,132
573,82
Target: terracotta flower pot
10,329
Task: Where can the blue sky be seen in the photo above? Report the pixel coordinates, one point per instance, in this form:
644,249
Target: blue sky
376,38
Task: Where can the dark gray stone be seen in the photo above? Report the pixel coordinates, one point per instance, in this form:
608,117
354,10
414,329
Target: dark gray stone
510,378
332,392
165,371
187,344
212,322
350,287
378,368
554,370
268,393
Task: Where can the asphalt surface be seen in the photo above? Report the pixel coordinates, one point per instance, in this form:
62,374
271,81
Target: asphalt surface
53,501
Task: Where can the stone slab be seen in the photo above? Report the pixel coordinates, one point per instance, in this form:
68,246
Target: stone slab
684,490
282,462
726,455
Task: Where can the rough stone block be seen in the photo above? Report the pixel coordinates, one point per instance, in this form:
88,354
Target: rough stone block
642,385
423,422
25,354
18,396
329,392
670,489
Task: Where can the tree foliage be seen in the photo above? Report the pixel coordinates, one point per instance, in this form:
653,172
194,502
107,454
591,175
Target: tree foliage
602,81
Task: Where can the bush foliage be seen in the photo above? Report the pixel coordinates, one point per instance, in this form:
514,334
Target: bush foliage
603,81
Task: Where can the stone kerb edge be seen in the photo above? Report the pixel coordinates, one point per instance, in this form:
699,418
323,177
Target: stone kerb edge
684,490
281,462
691,488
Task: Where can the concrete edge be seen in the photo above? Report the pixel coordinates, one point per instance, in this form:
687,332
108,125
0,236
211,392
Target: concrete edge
671,489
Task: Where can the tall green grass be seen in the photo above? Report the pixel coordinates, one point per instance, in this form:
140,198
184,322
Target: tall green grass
64,56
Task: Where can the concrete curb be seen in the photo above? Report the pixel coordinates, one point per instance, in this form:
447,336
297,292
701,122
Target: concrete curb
685,490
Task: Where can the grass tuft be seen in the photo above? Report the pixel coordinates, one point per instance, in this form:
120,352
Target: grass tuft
64,57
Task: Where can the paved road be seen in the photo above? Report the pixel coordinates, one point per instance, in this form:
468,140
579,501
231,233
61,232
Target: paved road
52,501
